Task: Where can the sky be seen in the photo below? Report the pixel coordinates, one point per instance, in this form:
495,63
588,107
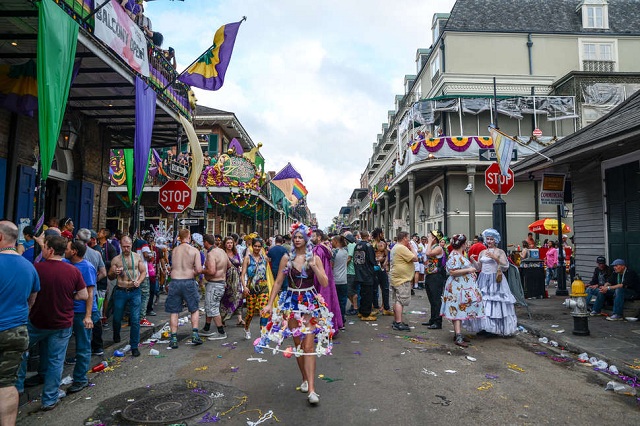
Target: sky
312,81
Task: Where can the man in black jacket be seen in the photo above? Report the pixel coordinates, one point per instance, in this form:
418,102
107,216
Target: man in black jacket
364,261
601,276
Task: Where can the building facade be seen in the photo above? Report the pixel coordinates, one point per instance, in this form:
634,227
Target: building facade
557,66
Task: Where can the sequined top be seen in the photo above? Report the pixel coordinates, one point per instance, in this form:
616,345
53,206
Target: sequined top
297,281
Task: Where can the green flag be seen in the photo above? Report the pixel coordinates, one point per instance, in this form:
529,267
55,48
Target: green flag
276,194
57,40
128,170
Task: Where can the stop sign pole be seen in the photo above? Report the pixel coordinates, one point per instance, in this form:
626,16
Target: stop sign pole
499,213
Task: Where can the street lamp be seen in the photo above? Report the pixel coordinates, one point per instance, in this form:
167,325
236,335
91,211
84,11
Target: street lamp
423,219
68,136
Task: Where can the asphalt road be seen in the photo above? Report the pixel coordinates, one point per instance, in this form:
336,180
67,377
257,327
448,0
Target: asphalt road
376,376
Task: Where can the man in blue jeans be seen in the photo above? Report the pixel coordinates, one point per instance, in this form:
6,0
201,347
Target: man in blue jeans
624,284
130,271
51,317
85,313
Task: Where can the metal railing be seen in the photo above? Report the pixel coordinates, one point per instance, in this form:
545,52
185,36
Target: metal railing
599,66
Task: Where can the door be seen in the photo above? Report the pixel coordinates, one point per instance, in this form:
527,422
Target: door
86,206
26,187
623,213
72,210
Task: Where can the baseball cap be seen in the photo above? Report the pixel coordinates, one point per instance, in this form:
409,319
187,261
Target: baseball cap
94,234
601,259
68,235
617,262
350,238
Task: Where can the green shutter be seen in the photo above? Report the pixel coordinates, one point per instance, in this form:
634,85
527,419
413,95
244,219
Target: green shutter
213,145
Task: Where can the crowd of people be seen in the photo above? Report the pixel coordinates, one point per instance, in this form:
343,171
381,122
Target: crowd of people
302,285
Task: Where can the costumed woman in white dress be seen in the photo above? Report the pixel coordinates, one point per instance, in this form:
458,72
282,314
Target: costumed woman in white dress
499,304
301,312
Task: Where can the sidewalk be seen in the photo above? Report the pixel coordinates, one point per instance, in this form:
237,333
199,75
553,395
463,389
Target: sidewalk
616,342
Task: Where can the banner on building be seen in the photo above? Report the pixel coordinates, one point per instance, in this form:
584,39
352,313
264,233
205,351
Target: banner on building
115,29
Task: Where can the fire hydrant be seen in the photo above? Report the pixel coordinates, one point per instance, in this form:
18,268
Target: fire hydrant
578,303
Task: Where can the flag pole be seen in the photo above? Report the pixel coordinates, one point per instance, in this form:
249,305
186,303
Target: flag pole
244,18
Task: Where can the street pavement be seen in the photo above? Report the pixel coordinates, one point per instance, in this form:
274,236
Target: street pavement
375,376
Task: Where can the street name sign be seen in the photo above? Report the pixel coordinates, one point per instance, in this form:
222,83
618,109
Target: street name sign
188,222
492,177
174,196
179,169
489,154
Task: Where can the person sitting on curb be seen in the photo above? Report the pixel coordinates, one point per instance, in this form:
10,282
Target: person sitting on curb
601,276
624,284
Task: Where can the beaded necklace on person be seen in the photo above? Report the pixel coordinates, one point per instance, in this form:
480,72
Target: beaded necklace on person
8,249
126,270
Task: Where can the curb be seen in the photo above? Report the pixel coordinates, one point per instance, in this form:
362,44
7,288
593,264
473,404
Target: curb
622,367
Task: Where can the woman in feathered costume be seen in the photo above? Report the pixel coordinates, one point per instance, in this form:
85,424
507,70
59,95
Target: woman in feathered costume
301,312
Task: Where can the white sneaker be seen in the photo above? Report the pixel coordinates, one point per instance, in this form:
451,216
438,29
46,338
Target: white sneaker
304,387
313,398
615,317
247,334
217,336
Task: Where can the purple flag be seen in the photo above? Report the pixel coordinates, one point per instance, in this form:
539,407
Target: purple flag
145,116
208,71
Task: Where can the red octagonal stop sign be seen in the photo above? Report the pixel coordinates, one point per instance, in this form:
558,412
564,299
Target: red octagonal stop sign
492,176
174,196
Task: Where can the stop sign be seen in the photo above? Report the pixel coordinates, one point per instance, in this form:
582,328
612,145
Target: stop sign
174,196
492,176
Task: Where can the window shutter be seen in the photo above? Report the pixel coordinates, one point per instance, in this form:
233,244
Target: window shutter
213,145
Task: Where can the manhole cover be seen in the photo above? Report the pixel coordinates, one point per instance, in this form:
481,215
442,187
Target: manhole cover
167,407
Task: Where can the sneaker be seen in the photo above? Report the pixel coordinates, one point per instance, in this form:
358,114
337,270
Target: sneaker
196,340
135,352
313,398
106,326
594,313
387,313
398,326
206,333
615,317
70,361
99,352
304,387
151,314
217,336
146,323
50,407
76,387
369,318
173,344
247,335
351,312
